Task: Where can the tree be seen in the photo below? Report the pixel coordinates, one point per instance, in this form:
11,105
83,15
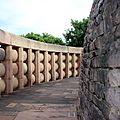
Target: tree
51,39
34,36
45,37
75,35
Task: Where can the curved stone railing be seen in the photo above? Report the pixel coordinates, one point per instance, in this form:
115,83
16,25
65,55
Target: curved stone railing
25,62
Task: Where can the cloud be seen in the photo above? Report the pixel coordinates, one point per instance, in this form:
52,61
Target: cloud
52,16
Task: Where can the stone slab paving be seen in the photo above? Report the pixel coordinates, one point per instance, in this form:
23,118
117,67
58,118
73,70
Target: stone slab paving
48,101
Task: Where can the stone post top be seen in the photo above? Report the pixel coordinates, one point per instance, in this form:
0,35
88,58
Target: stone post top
18,41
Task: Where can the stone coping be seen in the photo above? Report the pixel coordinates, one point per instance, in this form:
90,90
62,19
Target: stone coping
18,41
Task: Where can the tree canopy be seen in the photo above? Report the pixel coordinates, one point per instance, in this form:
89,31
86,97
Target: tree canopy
45,37
75,35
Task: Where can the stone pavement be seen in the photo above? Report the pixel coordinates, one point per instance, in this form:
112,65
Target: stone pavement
47,101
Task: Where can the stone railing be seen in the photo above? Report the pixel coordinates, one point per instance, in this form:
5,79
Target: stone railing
25,62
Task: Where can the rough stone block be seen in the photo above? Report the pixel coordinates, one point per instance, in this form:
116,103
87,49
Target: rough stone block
113,97
117,32
114,59
103,106
114,77
99,90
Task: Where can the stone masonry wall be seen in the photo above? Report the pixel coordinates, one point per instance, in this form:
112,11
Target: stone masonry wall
100,69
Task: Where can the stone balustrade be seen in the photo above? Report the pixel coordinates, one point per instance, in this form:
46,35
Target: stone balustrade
24,62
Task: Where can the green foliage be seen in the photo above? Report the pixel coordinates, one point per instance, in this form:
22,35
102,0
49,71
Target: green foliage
51,39
75,35
45,37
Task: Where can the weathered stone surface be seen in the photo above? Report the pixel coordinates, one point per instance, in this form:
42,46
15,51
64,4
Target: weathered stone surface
113,97
2,54
117,32
100,67
114,59
2,69
114,77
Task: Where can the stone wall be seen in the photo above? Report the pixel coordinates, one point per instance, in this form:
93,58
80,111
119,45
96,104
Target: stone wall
100,69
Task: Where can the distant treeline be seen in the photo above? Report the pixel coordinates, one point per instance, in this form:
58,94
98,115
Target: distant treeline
74,36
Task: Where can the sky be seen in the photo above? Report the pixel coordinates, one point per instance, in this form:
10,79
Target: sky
39,16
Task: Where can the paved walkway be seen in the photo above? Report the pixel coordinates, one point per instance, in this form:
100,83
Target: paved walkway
47,101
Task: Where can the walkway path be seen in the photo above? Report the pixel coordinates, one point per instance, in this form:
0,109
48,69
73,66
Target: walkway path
47,101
